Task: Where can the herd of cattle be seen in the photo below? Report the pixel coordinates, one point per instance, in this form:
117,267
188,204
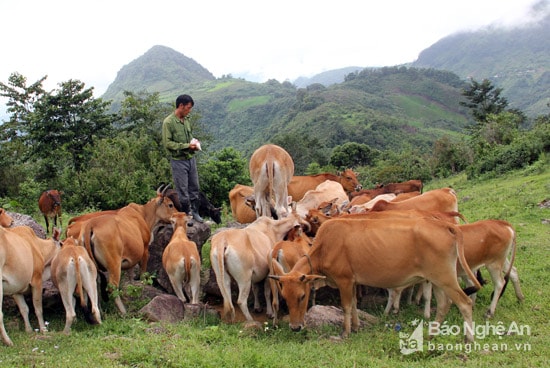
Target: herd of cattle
301,233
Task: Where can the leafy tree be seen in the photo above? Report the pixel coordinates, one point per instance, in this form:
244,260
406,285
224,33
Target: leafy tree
352,154
143,111
483,99
65,122
450,157
221,173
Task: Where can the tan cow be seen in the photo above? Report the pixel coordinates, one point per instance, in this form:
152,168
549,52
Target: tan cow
121,240
271,169
5,219
242,254
487,243
23,260
74,272
182,261
299,185
381,254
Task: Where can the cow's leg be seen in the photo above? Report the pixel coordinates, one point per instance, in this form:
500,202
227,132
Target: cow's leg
354,314
47,224
256,293
68,303
426,288
176,280
462,301
242,299
5,338
346,298
114,281
143,262
36,288
23,310
275,300
267,295
195,282
498,281
515,280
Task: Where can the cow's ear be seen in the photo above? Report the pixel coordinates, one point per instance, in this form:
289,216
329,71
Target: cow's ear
277,268
311,278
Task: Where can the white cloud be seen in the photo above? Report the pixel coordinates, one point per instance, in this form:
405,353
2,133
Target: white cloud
92,41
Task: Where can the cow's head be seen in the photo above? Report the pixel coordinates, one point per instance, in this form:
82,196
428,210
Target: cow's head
349,181
216,214
165,207
295,288
5,219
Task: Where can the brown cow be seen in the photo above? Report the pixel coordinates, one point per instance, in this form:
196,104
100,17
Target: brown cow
24,259
242,254
380,254
439,200
487,243
287,253
182,261
271,169
5,219
121,240
299,185
74,272
404,187
49,204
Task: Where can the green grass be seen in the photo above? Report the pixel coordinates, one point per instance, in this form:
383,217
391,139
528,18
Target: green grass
130,341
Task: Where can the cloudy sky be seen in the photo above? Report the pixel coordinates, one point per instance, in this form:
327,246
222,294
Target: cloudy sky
92,40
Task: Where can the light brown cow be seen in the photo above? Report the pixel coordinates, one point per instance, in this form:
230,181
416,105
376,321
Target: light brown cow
299,185
380,254
182,261
327,191
242,254
23,260
74,272
364,207
5,219
487,243
271,169
121,240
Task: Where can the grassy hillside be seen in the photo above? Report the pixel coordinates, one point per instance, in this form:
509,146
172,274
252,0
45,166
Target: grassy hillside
130,341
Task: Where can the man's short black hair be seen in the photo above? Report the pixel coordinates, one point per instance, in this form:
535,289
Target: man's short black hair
184,99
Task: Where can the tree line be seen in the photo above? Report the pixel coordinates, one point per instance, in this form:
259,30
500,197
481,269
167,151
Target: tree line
68,140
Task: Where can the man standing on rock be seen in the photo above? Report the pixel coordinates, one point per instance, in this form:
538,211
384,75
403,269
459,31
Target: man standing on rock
178,140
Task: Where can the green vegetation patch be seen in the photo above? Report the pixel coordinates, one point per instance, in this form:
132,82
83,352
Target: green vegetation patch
245,103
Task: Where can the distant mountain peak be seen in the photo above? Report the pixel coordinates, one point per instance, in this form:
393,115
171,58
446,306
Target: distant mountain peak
160,69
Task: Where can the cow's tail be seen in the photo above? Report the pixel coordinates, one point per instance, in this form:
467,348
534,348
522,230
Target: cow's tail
270,172
218,264
462,259
86,236
512,258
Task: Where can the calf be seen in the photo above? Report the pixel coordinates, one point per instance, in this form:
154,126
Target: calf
350,252
182,261
49,204
23,260
74,272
